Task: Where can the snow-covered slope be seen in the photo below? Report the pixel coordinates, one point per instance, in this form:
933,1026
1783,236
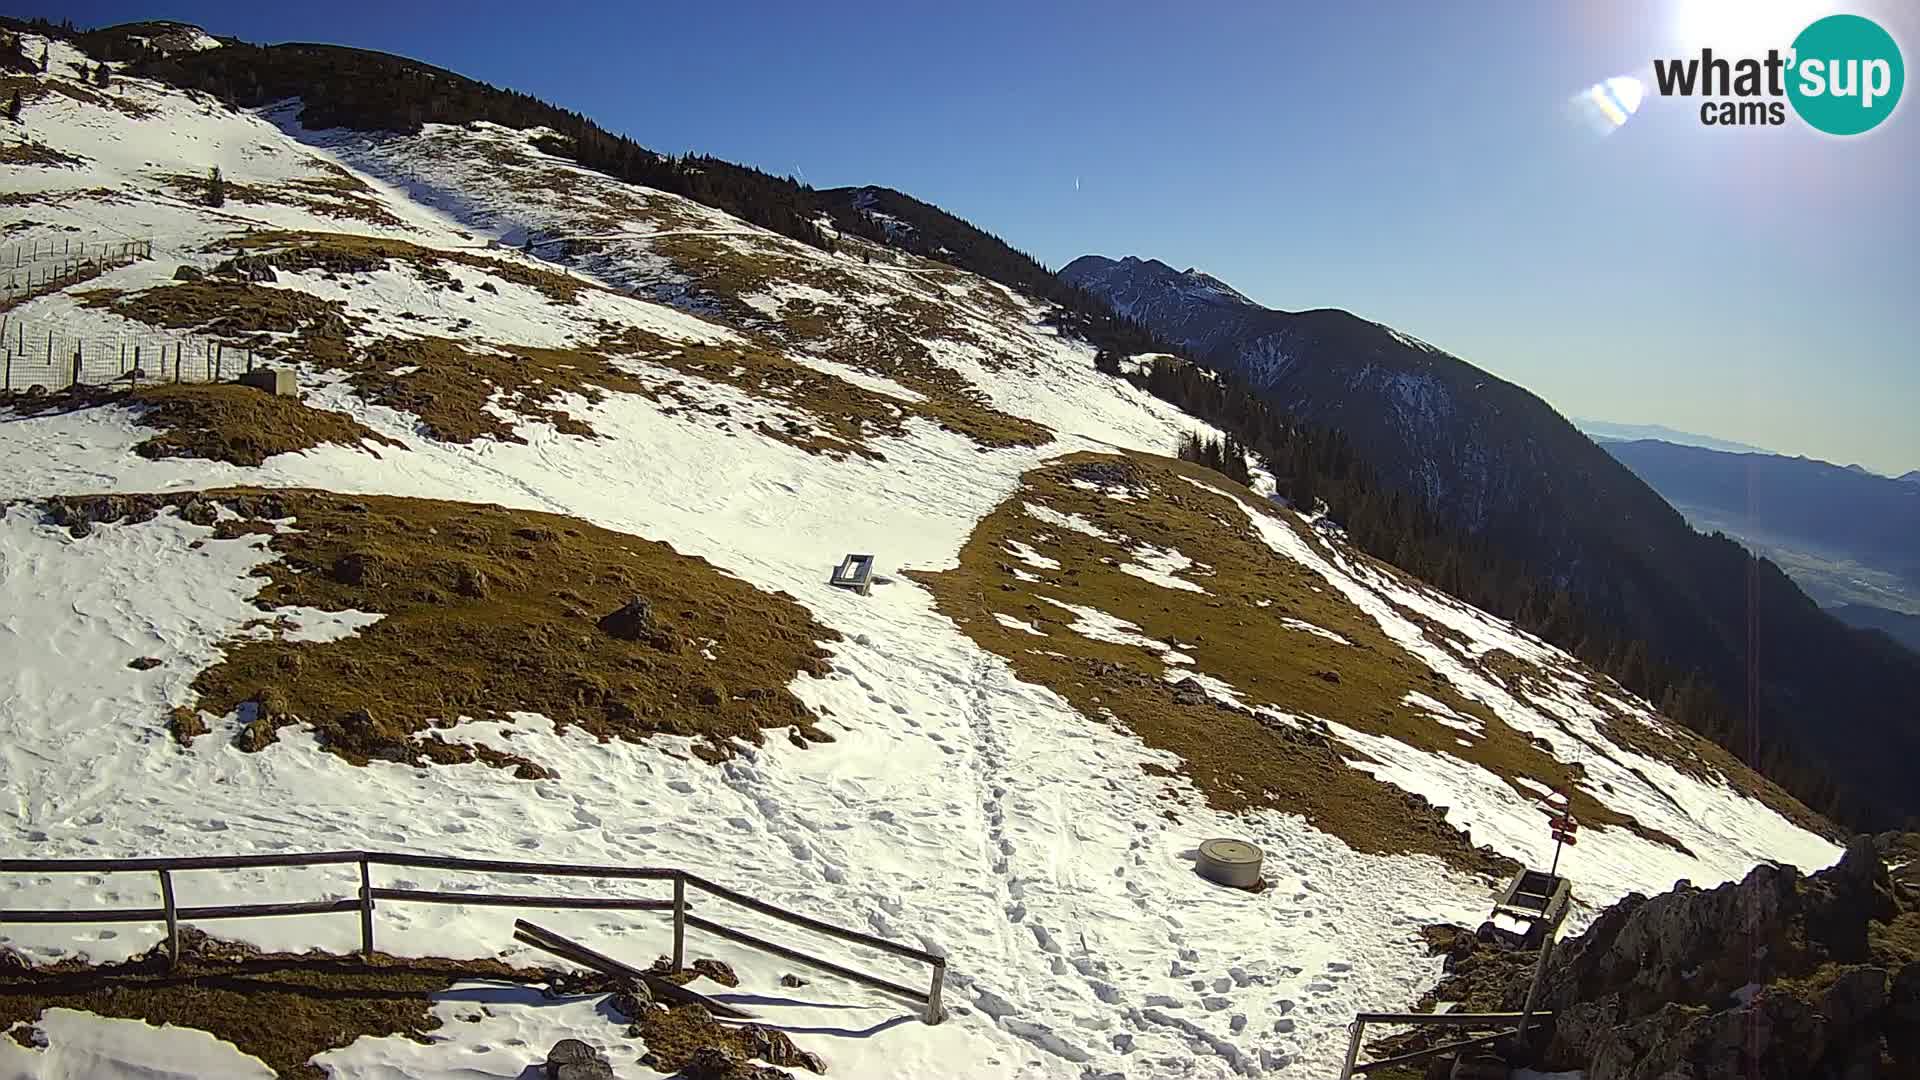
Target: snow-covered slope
660,369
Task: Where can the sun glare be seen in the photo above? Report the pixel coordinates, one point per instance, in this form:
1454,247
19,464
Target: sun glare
1743,27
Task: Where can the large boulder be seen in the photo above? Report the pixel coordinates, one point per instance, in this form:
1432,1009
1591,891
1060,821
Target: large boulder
632,622
571,1059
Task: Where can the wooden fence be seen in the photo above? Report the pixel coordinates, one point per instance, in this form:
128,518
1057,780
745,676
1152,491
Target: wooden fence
171,915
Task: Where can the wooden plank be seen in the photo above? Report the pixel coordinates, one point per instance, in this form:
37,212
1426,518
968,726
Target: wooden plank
504,866
99,915
173,919
1432,1051
566,948
185,914
679,921
366,911
1447,1019
615,903
799,957
815,925
202,862
259,911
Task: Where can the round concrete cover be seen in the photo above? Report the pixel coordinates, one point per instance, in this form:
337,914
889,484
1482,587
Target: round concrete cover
1230,851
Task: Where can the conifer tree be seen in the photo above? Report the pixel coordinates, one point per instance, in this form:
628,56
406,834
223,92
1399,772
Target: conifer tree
13,108
216,188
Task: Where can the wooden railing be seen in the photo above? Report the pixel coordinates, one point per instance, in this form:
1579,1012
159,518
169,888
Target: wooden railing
172,915
1519,1022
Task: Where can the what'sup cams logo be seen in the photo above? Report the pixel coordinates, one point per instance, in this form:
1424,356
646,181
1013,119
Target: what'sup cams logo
1843,75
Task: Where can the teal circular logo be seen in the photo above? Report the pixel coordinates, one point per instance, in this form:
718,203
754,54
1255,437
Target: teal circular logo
1846,75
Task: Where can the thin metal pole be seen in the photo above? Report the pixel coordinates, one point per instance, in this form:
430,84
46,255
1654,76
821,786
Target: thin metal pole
1353,1048
366,912
173,919
679,922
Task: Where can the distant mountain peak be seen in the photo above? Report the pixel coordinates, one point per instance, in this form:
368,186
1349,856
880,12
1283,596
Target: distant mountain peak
1133,274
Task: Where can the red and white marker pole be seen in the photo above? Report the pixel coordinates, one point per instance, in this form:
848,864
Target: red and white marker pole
1564,828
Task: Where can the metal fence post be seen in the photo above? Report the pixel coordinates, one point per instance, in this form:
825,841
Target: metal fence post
1353,1048
679,921
173,919
366,912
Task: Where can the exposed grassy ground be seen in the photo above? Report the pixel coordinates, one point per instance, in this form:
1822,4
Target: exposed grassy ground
238,424
33,88
224,307
28,152
332,195
1236,760
281,1008
459,390
489,612
346,253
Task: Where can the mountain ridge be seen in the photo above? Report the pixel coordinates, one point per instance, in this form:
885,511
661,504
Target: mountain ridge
1501,463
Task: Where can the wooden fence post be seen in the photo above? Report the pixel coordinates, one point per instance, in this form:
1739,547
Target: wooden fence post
8,384
366,912
219,354
173,919
679,921
934,1011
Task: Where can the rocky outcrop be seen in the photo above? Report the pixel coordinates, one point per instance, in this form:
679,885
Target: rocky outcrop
1777,976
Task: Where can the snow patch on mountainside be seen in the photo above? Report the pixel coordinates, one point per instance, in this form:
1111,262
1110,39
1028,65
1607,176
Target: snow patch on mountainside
959,808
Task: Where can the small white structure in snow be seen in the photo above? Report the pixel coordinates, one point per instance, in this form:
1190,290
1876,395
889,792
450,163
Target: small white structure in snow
854,572
1230,862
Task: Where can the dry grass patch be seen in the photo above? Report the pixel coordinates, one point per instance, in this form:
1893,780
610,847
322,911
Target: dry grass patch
33,88
219,306
888,341
239,424
489,612
282,1008
1234,757
58,198
28,152
342,253
327,195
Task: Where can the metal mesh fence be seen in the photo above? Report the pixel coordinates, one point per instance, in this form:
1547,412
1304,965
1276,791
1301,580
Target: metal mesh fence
32,267
55,358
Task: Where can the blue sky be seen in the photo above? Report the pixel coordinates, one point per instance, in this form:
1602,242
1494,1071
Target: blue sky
1411,162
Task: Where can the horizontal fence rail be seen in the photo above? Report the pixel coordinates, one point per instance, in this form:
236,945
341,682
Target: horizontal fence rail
1511,1025
368,897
